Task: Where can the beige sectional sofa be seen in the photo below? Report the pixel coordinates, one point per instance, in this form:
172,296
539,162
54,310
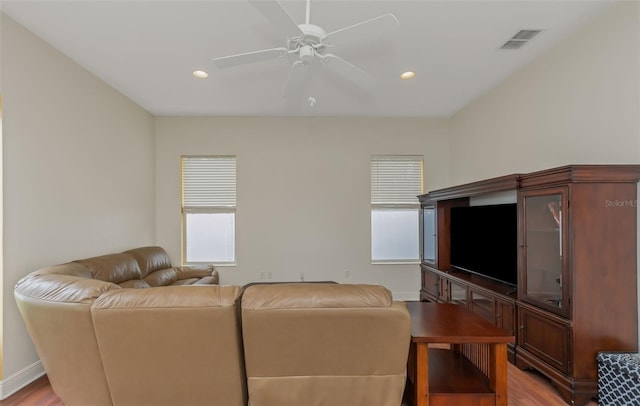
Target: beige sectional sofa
130,329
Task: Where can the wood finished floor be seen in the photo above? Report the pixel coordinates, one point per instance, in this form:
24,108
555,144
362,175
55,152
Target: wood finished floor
526,388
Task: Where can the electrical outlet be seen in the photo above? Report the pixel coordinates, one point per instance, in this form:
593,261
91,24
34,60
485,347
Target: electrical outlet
302,276
347,274
269,275
261,275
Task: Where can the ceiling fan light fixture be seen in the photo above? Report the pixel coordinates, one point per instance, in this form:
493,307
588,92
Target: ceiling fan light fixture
407,75
200,74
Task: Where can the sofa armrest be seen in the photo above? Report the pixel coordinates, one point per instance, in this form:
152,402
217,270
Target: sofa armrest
56,309
197,271
62,288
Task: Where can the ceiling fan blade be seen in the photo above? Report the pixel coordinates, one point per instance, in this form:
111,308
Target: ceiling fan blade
274,12
249,57
297,74
372,28
348,71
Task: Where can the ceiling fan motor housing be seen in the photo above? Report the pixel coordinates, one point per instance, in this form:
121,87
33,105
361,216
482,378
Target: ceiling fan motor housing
313,35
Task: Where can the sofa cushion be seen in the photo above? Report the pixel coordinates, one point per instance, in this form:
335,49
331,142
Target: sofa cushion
150,259
163,277
134,284
315,295
114,268
169,298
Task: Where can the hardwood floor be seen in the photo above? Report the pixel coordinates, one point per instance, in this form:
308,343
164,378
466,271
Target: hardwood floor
526,388
529,388
37,393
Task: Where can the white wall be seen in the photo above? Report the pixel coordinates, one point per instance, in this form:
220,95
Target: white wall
303,191
78,171
578,103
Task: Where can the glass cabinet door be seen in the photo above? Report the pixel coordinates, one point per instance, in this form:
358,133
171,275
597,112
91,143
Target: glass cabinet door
543,247
457,293
428,217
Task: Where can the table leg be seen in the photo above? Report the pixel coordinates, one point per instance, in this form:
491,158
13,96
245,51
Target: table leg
421,383
498,373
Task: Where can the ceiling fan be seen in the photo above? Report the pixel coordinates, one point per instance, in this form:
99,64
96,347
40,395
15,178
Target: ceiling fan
309,42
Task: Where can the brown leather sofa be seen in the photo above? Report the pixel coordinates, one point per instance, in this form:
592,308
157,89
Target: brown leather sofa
120,330
104,342
324,344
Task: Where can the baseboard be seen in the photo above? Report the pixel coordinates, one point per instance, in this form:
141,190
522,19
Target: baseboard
20,379
413,295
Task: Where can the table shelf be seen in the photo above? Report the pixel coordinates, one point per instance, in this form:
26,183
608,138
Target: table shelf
451,372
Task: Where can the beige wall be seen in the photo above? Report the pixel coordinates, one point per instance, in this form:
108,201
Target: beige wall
303,191
78,170
578,103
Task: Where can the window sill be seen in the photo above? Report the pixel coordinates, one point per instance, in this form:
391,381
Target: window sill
217,265
397,262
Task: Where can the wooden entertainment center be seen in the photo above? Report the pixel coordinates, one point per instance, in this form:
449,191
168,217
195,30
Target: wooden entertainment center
576,291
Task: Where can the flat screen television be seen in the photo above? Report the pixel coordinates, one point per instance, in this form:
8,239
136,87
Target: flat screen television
484,241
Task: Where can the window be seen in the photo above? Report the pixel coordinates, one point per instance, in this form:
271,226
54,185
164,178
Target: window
396,181
208,209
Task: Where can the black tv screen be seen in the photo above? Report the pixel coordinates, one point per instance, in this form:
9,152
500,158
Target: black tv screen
484,241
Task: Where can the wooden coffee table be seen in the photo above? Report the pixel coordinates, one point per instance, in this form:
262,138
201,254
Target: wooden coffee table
470,370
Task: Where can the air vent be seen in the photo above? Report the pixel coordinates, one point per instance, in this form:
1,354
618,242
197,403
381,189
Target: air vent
513,44
526,34
519,39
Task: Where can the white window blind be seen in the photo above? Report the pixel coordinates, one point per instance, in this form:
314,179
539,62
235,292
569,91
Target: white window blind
396,180
208,182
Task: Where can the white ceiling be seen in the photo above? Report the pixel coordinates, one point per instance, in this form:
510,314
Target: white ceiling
148,49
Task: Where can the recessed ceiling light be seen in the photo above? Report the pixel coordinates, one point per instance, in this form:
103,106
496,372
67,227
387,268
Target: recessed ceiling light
200,74
408,75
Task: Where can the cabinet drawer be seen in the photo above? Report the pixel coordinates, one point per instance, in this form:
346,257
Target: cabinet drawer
545,337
